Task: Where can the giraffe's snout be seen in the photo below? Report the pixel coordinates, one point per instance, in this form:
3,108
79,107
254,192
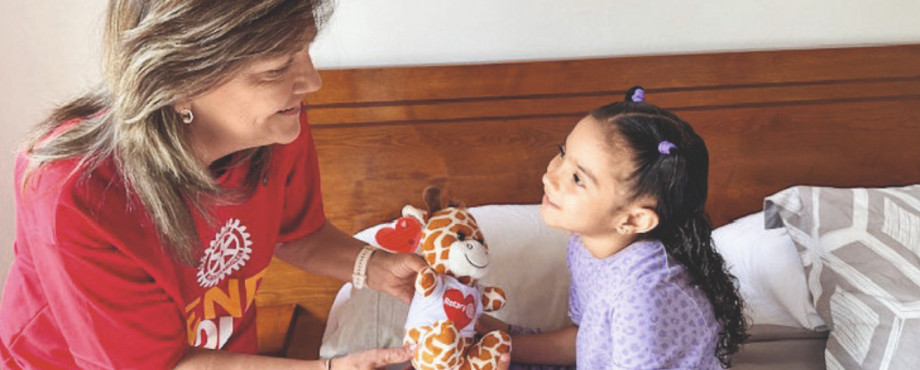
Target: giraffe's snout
469,258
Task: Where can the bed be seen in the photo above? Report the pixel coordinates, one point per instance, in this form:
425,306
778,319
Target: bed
845,118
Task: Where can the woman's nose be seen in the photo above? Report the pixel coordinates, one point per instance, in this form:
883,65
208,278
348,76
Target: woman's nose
308,79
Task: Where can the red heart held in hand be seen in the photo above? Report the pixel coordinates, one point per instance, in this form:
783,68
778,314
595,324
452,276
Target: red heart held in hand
459,308
403,237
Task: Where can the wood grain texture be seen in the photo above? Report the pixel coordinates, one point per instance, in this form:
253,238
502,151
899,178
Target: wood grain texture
484,133
672,72
274,325
522,107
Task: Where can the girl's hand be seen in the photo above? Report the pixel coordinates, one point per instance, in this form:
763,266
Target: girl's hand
373,359
394,273
488,323
504,362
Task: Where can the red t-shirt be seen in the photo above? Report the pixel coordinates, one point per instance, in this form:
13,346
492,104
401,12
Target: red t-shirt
92,287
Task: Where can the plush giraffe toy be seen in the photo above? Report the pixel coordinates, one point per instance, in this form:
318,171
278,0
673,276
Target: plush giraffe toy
448,301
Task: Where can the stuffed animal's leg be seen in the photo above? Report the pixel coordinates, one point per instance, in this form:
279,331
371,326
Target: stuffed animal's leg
438,347
484,354
414,334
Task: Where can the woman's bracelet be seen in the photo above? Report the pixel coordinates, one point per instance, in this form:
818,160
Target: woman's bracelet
359,277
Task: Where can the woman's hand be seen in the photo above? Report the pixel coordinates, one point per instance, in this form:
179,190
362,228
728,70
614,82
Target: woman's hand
488,323
394,273
373,359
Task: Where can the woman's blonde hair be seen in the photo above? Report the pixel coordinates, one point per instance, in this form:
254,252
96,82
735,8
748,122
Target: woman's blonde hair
156,52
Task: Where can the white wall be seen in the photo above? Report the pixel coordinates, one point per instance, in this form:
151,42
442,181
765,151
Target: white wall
50,48
411,32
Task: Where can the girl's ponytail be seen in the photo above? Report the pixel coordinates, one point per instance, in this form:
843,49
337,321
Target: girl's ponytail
690,243
672,167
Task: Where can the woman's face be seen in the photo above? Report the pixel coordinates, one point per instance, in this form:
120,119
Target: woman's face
259,105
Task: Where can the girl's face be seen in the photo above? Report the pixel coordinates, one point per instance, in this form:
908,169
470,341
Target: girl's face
259,105
585,185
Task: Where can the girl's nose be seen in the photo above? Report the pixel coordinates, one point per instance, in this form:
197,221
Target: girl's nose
549,178
548,182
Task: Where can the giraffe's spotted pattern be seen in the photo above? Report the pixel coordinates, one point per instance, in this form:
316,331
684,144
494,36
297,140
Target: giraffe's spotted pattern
441,344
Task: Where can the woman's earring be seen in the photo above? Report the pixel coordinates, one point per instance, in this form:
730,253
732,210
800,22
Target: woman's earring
187,116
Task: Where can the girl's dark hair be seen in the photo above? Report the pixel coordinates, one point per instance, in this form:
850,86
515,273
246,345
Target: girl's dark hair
678,181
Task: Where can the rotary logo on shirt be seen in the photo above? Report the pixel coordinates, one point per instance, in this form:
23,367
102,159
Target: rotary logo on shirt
228,252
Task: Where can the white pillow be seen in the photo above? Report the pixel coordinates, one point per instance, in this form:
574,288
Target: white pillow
528,263
769,271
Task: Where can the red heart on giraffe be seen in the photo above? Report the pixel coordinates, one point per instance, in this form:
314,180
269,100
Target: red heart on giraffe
459,308
403,237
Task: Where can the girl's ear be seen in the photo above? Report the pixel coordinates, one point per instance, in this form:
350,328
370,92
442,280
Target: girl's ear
639,220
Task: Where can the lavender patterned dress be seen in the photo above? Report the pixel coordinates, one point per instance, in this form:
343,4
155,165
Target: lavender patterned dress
637,310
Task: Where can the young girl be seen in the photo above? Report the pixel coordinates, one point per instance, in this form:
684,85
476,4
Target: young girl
648,291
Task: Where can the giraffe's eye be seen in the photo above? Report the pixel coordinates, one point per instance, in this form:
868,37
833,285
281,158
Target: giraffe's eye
461,236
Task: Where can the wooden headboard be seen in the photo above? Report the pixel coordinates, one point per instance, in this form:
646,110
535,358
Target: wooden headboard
484,133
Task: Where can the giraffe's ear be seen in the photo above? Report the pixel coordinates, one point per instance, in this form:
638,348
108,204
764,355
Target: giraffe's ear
418,214
432,197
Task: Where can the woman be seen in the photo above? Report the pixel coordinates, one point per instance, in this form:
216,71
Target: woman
149,209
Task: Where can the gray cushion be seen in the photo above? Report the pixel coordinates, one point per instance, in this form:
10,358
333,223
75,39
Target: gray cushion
861,252
774,347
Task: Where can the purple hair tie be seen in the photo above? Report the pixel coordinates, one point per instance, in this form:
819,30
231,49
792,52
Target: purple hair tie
664,147
638,96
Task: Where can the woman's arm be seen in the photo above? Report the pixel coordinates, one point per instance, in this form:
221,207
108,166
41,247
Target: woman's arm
328,251
331,252
198,358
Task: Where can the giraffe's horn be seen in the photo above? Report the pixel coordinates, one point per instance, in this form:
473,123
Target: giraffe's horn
432,197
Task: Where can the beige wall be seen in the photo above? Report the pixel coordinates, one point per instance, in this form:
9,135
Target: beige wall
50,49
49,52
